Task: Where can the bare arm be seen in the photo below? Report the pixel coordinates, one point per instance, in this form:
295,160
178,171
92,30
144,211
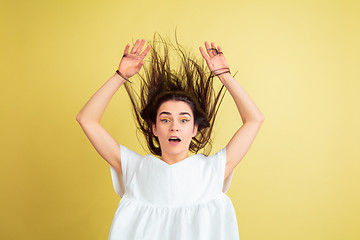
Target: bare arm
251,116
252,119
95,107
89,120
90,115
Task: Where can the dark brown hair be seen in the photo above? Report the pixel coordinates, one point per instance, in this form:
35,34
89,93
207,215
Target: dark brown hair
192,83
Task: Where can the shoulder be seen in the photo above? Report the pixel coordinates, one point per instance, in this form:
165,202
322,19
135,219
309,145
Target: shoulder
127,152
129,158
216,158
221,153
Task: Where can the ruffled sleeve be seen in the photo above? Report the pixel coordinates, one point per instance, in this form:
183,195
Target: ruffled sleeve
129,162
219,162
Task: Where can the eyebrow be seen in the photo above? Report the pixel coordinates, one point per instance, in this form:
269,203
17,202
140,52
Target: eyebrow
181,113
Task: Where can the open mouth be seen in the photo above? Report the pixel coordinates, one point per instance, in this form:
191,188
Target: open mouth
174,139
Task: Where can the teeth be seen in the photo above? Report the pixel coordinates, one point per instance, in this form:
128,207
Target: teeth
173,138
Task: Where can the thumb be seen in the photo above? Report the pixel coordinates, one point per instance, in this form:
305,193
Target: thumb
140,65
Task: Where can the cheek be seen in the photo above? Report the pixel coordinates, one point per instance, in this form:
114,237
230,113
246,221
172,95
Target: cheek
190,131
161,130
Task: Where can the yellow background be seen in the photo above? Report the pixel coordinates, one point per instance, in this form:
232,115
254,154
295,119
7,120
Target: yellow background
298,60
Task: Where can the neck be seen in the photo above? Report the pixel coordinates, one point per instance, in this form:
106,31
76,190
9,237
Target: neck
174,158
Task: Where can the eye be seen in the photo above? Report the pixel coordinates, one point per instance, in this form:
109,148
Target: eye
183,120
165,120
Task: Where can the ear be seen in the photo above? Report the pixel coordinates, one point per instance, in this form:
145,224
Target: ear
154,129
195,130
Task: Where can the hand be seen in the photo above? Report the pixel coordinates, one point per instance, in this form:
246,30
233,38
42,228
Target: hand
131,63
214,58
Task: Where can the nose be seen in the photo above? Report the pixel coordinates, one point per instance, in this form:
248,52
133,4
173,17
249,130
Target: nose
174,127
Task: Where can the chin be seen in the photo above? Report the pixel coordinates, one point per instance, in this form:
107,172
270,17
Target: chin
180,148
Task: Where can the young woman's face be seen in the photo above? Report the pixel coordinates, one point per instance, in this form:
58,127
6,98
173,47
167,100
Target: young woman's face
174,127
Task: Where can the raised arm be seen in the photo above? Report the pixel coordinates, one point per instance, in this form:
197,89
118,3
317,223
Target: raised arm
251,116
90,115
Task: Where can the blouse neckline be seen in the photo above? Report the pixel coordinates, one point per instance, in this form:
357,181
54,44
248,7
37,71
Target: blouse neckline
174,164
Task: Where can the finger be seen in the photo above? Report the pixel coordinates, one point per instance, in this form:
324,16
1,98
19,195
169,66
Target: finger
133,50
208,49
126,51
203,53
214,48
143,54
219,49
138,50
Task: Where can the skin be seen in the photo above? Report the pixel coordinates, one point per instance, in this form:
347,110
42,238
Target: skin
174,118
90,115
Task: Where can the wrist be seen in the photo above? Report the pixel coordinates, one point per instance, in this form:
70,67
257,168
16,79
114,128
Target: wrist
224,77
119,78
122,76
222,73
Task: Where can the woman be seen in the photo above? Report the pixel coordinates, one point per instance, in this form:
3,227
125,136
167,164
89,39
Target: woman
176,196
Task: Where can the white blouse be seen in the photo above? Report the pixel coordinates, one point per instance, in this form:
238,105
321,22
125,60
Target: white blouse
184,200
